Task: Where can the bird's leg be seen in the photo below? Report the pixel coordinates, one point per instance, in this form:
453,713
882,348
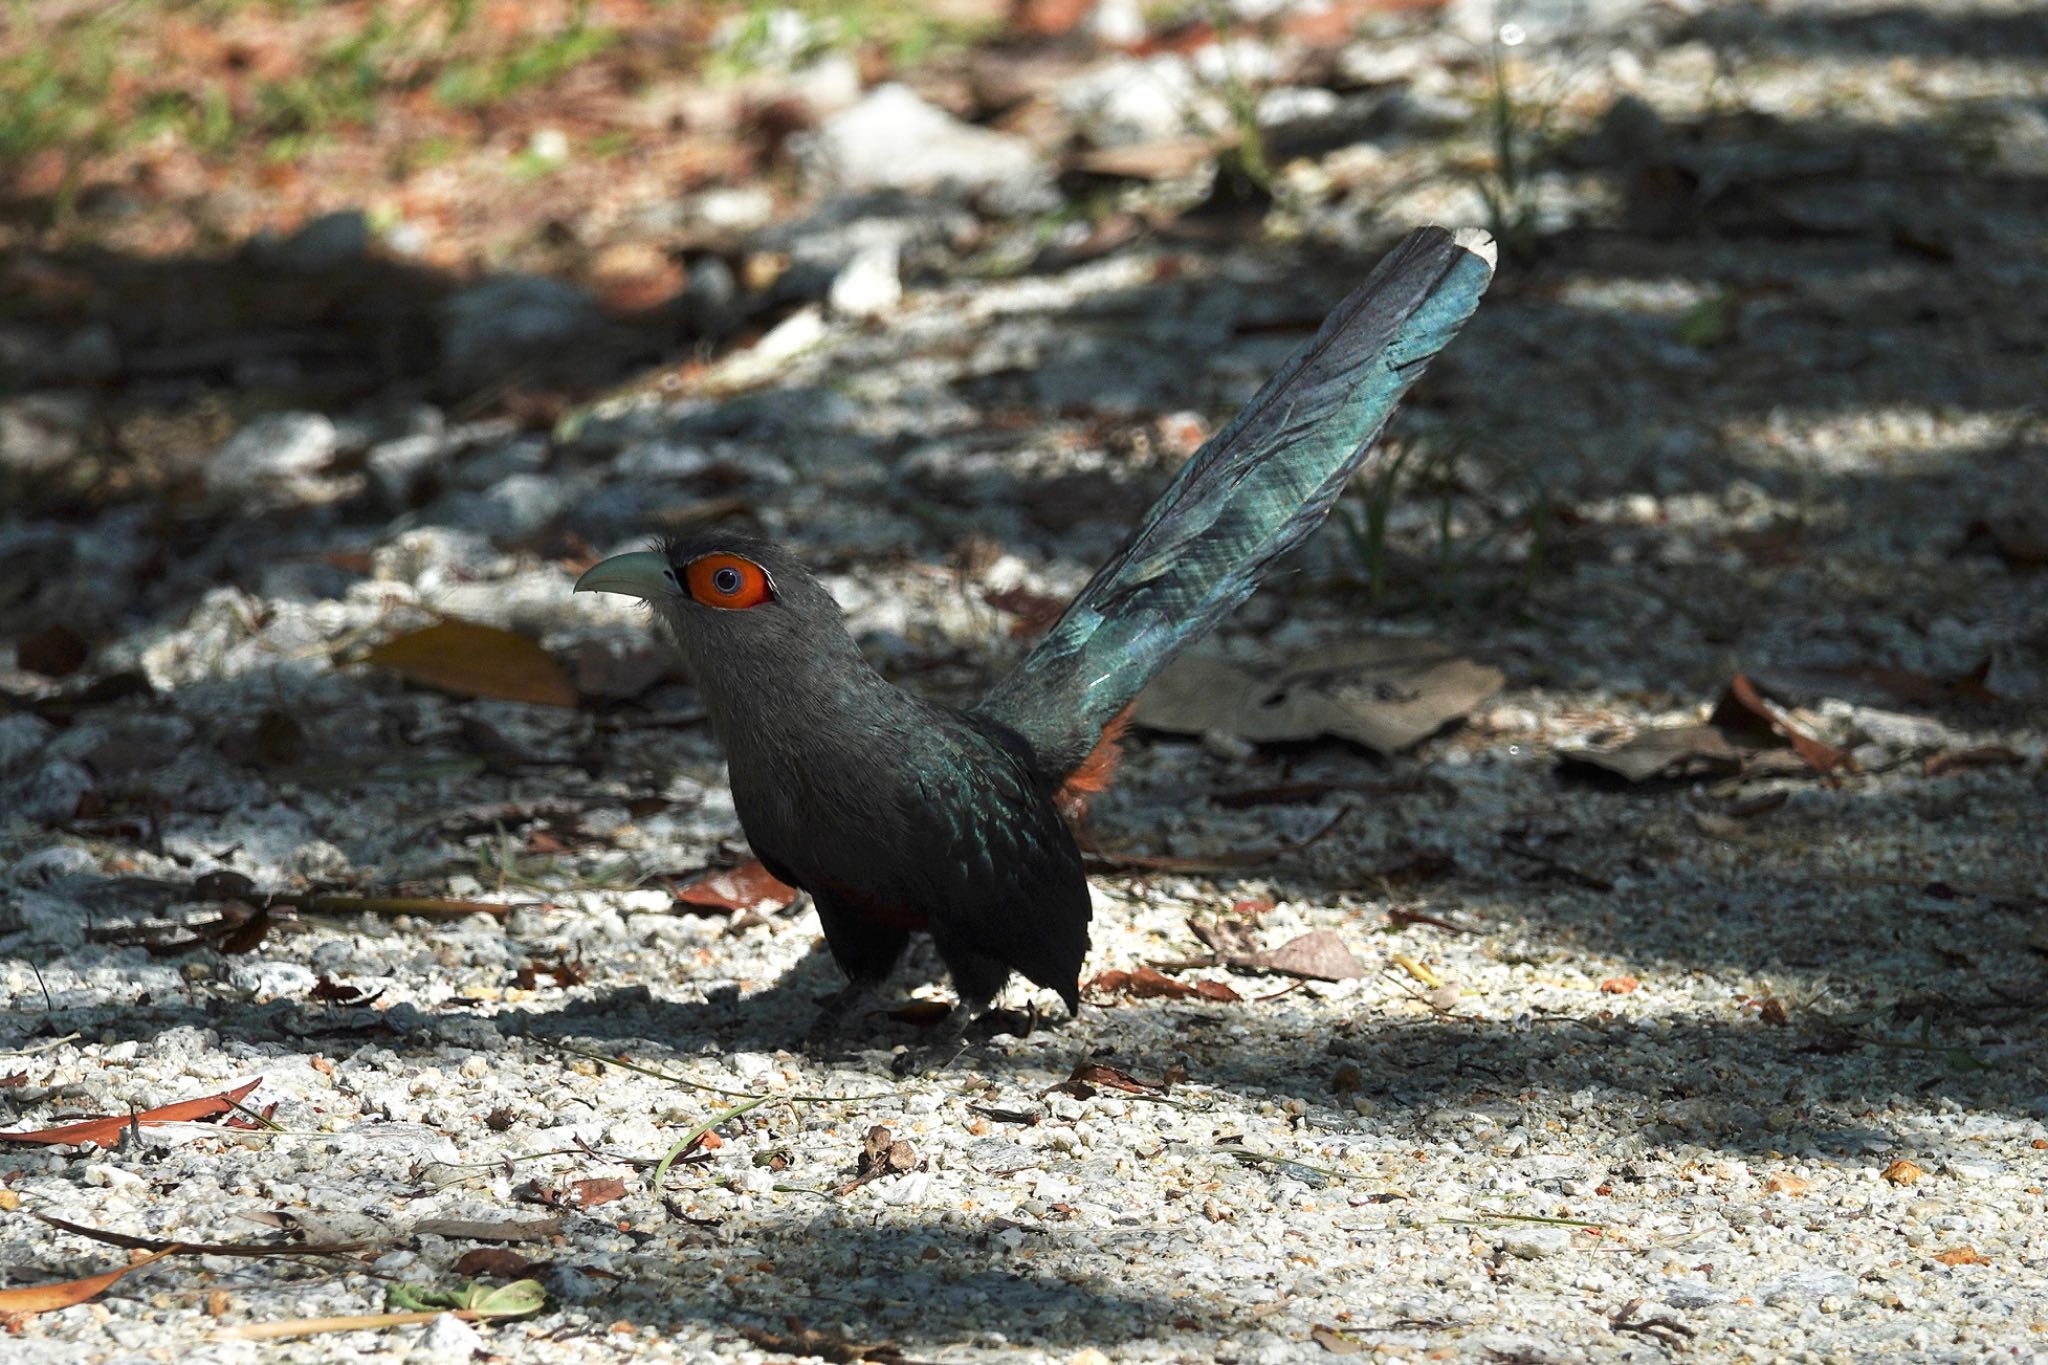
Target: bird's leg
849,1002
948,1040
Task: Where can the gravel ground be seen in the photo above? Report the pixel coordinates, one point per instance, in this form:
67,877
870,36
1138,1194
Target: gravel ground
1739,1066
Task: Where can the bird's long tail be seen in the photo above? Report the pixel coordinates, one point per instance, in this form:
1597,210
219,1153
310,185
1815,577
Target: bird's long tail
1254,492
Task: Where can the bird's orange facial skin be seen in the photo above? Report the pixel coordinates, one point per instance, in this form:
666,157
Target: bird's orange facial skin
732,582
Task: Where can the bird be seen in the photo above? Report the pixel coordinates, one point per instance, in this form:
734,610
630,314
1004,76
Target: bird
900,815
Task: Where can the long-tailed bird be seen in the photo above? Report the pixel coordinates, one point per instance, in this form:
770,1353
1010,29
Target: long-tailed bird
899,814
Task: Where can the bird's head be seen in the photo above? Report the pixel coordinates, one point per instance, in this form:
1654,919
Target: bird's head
736,605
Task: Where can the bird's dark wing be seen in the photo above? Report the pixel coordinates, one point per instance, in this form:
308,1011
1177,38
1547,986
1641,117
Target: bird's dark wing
1252,493
1009,887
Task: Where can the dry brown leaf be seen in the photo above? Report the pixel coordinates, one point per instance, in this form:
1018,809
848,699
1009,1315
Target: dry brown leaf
1786,1184
1385,694
1744,710
588,1194
1096,1073
1316,956
1903,1173
1165,159
1620,985
105,1130
1962,1255
474,660
46,1298
1335,1342
493,1263
1670,754
741,889
1147,983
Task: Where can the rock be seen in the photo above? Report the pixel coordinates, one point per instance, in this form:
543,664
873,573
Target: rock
48,793
1131,101
1116,23
662,459
398,467
824,242
20,736
825,86
271,980
119,745
1518,21
492,326
1809,1286
893,140
451,1339
333,241
1535,1242
869,286
548,145
278,460
490,465
41,431
1296,104
46,866
739,208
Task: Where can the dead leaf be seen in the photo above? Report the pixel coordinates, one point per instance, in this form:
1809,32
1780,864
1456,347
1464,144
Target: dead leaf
748,887
331,992
588,1194
1670,754
102,1131
1316,956
1147,983
494,1263
504,1230
1903,1173
1335,1342
1385,694
1088,1075
1743,710
472,660
1962,1255
1620,985
424,907
1033,611
1173,158
804,1341
1786,1184
1231,939
46,1298
559,972
881,1153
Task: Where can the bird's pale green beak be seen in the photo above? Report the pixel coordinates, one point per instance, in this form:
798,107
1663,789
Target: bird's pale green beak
643,574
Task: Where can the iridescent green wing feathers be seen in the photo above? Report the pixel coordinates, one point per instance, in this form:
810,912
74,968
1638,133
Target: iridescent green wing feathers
1254,492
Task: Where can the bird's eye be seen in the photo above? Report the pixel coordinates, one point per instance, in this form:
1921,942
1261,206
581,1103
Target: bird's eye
733,582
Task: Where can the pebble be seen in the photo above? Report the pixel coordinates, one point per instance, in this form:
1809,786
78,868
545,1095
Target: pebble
894,140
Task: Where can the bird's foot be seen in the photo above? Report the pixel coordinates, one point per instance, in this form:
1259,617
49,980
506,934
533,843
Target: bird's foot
935,1054
964,1024
826,1036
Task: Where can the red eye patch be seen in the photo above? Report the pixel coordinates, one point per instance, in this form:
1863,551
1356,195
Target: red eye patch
728,581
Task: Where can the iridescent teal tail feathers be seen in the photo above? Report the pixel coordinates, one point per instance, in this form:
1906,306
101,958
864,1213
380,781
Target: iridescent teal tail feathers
1254,492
